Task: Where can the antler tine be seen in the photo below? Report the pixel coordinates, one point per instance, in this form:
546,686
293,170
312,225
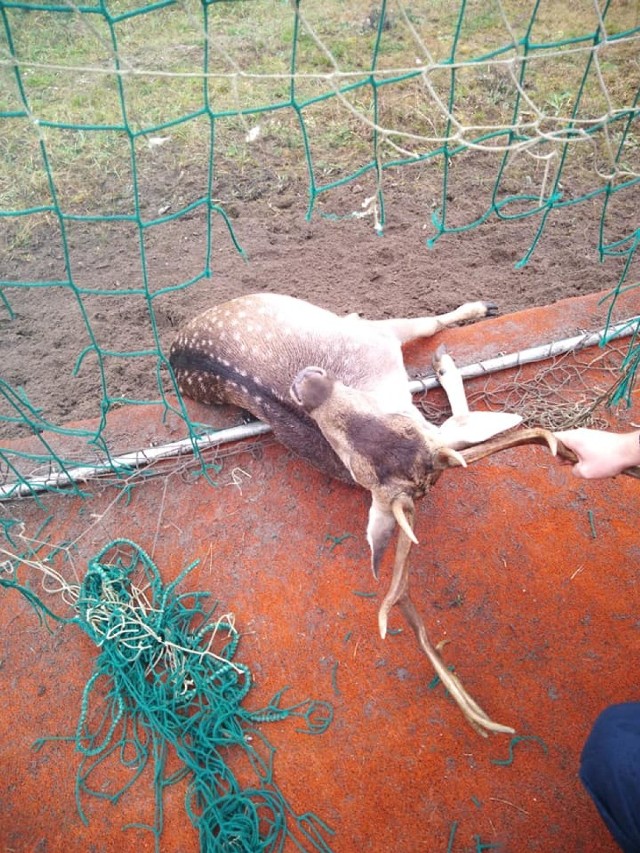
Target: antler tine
400,578
399,594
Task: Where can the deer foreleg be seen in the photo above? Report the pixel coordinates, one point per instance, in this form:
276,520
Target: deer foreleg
450,379
464,427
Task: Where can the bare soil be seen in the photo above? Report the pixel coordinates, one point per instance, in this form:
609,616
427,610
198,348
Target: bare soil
337,261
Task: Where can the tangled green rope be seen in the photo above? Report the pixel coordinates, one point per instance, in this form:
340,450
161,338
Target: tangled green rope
166,684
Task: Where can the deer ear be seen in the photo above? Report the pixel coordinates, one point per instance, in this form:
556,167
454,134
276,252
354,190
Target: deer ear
379,531
474,427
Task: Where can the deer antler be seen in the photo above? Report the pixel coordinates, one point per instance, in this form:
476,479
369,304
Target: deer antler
532,435
399,589
399,594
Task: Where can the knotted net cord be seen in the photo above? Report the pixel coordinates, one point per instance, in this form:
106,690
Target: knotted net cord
167,694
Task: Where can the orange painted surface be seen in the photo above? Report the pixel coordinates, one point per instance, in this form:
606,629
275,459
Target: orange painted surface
530,574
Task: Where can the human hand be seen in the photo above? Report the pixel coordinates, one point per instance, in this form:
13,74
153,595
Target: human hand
601,453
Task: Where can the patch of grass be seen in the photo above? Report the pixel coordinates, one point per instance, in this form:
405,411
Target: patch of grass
66,65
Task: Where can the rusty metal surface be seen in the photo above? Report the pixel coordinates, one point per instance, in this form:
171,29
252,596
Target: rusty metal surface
529,573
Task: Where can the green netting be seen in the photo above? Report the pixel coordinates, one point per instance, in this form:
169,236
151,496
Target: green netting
167,696
541,93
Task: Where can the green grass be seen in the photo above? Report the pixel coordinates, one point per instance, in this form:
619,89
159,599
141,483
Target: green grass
66,64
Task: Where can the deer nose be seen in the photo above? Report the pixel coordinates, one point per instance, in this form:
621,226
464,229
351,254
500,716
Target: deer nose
311,387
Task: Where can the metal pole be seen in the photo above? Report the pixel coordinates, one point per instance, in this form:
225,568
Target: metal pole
141,458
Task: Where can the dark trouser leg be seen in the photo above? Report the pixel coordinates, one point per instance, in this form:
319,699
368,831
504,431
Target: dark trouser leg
610,771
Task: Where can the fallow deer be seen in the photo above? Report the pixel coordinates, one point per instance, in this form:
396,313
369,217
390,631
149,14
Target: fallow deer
335,391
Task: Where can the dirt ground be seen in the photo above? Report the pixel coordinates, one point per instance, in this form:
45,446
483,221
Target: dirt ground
338,262
538,611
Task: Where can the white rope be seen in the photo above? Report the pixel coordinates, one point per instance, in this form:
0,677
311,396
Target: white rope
529,134
130,70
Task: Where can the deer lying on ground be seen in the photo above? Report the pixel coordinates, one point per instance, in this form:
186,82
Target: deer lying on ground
335,391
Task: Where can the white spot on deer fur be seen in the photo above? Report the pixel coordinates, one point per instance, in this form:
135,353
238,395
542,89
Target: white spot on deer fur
225,362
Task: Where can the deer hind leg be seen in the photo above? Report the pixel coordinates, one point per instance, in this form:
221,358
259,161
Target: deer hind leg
399,594
407,329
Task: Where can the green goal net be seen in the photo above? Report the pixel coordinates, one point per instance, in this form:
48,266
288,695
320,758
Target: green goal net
104,104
